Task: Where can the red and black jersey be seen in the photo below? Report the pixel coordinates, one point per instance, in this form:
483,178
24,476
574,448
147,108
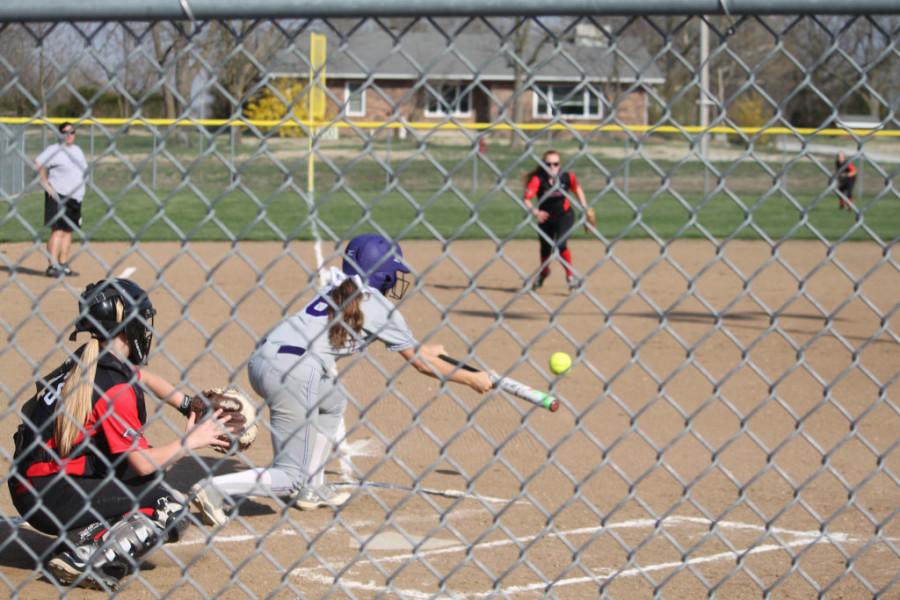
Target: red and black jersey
115,423
846,174
551,195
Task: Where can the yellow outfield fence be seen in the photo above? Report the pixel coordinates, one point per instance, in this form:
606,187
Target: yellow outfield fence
454,125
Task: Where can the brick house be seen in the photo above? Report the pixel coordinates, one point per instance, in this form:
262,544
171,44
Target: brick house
419,77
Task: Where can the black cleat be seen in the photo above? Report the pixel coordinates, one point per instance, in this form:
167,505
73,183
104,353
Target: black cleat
73,567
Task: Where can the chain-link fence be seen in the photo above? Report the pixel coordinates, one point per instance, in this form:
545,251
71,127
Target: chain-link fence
728,426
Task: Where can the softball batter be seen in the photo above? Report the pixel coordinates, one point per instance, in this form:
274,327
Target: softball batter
294,369
553,212
82,468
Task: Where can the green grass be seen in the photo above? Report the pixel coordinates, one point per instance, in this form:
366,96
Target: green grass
354,194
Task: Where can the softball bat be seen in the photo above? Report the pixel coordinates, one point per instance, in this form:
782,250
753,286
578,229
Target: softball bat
511,386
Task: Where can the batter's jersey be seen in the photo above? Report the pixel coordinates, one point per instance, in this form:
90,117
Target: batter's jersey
66,168
308,329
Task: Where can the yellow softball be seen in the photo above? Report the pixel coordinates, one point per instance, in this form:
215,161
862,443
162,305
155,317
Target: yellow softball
560,362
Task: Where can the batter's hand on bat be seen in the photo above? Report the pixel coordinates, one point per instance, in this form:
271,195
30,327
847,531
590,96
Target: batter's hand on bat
480,382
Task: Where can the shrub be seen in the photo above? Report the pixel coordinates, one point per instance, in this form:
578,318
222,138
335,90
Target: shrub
272,106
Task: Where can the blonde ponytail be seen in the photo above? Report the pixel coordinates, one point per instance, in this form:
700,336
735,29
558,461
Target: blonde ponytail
77,393
76,399
349,298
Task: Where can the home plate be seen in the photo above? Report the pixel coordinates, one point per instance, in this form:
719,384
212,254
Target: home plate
391,540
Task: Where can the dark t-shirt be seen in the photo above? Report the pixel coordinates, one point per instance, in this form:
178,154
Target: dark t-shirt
551,197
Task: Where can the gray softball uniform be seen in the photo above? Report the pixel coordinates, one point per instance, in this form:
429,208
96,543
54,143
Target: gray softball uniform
294,369
66,169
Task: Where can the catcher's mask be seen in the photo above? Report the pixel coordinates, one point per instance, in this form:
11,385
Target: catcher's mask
113,306
379,262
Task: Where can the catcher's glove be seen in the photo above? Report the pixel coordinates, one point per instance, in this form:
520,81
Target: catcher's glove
590,219
241,425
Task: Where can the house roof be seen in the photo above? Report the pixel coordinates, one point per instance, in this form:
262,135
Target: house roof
468,56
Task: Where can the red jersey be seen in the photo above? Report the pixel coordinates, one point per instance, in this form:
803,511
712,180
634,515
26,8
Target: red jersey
552,196
115,423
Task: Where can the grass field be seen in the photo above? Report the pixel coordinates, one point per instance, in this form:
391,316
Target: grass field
435,192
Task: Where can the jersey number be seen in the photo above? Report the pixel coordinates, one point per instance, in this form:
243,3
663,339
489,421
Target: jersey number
317,308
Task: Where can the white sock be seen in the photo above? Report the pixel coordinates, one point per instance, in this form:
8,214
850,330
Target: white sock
318,458
254,482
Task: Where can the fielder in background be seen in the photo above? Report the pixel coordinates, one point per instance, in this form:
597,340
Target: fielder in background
62,169
294,370
547,194
845,174
82,468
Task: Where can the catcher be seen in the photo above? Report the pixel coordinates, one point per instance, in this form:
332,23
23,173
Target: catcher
552,189
82,468
294,369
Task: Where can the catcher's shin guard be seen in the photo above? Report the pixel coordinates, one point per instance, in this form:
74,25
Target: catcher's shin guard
130,539
171,517
102,563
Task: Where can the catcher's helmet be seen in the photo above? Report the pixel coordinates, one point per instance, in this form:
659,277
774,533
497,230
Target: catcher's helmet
99,314
378,261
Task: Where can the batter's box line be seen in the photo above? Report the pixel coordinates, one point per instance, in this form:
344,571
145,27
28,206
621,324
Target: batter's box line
806,538
450,493
220,538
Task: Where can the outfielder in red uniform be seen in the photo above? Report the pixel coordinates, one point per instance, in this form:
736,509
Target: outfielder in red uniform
82,468
547,196
845,172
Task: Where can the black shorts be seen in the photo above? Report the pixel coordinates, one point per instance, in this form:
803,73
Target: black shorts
55,505
846,187
556,230
64,215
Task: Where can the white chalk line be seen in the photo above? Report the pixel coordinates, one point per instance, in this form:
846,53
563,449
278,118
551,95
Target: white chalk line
127,272
448,493
347,450
806,538
612,574
218,538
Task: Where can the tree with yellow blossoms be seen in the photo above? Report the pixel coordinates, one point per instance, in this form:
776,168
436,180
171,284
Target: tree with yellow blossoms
274,103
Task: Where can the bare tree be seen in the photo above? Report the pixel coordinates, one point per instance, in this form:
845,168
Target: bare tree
525,55
16,69
240,51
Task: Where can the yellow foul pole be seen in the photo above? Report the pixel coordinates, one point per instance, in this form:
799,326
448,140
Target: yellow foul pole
316,98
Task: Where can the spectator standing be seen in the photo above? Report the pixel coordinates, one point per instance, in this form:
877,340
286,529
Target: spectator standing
62,169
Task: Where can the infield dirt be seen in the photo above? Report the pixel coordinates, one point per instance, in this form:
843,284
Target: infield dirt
744,384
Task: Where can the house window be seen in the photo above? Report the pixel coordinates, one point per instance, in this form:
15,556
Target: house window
448,99
354,99
567,101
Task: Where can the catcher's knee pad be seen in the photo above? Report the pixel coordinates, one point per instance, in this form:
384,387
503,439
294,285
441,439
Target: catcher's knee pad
128,540
171,517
